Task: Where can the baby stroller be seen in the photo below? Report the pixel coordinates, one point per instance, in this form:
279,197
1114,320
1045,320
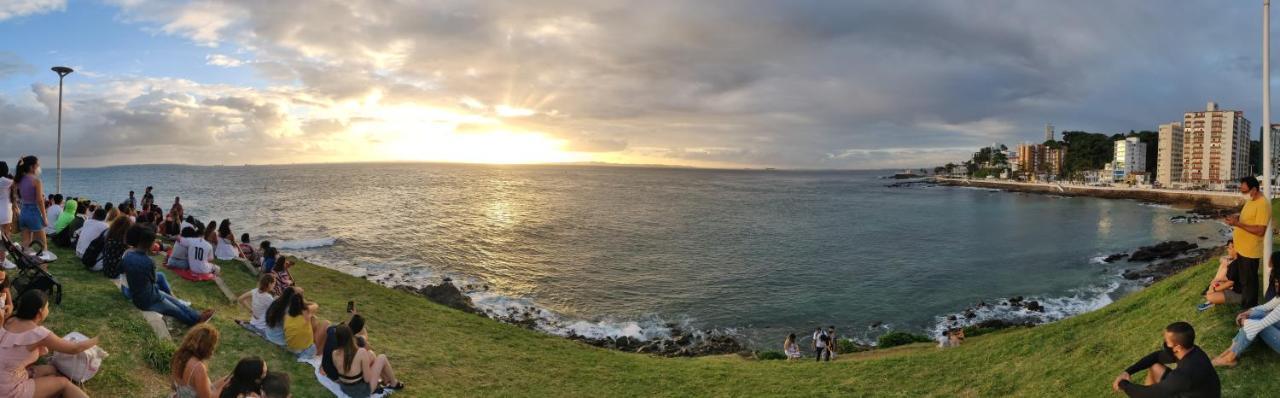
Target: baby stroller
31,275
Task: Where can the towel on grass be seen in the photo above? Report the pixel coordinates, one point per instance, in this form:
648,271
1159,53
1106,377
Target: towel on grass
331,385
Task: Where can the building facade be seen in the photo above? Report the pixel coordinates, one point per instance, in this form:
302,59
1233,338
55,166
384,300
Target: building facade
1215,147
1130,158
1169,155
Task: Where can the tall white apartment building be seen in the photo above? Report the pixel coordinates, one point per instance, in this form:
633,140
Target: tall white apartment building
1130,157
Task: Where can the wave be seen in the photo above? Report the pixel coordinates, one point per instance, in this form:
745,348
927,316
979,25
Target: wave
1055,308
307,243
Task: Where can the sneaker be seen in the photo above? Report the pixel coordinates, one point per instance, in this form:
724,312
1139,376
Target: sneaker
1204,306
205,316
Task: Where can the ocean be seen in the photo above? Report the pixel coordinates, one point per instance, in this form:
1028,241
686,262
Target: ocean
626,251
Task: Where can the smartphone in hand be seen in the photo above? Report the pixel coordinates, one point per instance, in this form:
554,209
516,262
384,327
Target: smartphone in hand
351,306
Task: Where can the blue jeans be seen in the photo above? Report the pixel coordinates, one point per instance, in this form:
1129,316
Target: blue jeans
161,283
1269,335
170,306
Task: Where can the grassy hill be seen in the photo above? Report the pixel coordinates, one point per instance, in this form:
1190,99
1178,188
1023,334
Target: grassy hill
443,352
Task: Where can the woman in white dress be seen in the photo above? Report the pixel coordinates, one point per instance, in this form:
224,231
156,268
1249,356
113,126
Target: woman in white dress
227,248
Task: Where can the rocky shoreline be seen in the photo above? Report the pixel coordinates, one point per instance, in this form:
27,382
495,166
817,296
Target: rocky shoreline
680,343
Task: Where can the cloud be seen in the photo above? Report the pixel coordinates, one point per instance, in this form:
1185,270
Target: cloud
222,60
747,82
20,8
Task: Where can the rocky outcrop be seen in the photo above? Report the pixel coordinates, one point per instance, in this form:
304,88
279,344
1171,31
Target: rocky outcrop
1160,270
682,343
1115,257
1168,249
445,294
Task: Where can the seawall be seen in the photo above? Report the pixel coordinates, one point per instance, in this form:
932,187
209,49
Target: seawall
1198,199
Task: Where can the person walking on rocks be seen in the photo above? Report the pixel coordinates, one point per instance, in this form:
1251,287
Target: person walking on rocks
1249,226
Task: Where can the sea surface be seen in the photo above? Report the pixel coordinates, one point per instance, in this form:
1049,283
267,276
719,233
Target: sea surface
613,251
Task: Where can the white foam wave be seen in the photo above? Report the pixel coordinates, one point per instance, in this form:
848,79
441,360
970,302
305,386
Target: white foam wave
1055,308
521,310
1098,260
306,243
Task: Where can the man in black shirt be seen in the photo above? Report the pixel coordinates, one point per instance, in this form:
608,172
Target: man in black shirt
1192,377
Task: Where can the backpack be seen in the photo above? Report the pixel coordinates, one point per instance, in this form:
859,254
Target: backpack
94,251
79,367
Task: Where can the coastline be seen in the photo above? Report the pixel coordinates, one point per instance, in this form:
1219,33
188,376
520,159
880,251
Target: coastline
1192,199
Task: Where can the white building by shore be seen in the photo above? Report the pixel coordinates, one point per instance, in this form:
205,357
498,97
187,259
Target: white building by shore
1130,158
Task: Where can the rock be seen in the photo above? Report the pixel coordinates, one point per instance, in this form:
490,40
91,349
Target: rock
968,314
1016,299
448,295
1168,249
1131,275
1034,306
949,318
1204,238
1115,257
878,324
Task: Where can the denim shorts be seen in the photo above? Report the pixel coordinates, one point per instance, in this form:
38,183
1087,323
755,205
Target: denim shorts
306,353
30,219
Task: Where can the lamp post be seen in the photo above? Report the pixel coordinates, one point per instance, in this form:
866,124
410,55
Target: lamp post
1267,166
62,72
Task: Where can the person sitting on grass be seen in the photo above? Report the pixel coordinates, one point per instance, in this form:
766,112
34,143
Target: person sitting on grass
1222,289
247,251
361,372
257,301
1261,322
246,379
188,373
1192,377
303,331
227,248
91,230
276,313
178,256
269,255
23,340
276,385
200,256
140,272
1274,288
790,347
284,279
114,249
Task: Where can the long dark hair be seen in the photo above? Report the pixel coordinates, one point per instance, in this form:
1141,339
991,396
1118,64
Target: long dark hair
275,312
4,169
245,379
297,305
224,229
30,304
347,343
26,165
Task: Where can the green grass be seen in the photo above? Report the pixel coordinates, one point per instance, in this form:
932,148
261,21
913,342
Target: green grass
443,352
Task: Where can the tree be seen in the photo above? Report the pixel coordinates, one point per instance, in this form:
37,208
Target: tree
1089,151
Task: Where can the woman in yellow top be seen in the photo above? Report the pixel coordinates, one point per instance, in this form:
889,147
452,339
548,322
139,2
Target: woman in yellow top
303,333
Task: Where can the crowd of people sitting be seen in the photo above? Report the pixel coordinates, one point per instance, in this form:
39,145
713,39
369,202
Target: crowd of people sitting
119,240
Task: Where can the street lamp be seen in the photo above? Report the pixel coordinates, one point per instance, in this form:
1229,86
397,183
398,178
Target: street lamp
62,72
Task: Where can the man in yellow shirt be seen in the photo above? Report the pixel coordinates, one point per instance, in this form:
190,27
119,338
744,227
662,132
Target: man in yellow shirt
1250,226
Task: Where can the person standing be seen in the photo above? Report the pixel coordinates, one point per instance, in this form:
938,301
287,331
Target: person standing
176,209
6,200
820,340
1249,227
831,343
132,201
31,220
148,199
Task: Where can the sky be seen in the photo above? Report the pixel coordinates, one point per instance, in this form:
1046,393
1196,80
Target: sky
708,83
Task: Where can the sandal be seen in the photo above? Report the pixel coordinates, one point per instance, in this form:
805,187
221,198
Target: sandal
399,386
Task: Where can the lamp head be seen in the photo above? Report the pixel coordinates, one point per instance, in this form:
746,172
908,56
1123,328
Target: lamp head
62,71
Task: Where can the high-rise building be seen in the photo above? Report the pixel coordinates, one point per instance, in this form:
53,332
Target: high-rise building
1053,159
1048,132
1215,147
1169,155
1275,150
1130,157
1029,157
